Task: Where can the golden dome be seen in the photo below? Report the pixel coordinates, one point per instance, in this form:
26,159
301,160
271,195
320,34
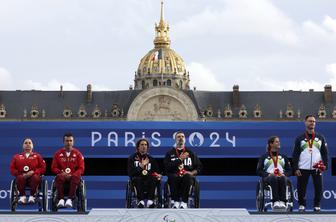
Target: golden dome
161,66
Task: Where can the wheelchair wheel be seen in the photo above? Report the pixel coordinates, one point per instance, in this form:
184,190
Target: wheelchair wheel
82,201
290,196
158,195
128,194
53,198
42,196
45,195
14,196
260,201
166,196
196,194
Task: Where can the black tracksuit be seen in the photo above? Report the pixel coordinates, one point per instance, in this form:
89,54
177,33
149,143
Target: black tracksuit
143,182
303,160
180,185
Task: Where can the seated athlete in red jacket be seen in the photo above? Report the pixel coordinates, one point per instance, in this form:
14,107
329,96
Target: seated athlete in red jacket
68,165
27,167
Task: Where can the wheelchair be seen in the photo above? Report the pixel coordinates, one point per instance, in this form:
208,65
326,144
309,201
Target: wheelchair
80,201
194,195
264,196
41,198
131,195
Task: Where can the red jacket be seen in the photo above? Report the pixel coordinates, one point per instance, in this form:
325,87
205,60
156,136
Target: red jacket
21,164
75,162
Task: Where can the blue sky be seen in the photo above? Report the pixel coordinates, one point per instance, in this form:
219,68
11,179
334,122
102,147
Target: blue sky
257,44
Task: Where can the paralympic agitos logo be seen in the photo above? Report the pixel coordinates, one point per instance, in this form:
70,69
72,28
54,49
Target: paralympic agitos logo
193,139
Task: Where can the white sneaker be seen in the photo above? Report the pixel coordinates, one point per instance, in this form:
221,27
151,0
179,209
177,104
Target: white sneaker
60,203
176,205
31,199
183,205
68,203
150,204
22,200
276,205
282,205
301,208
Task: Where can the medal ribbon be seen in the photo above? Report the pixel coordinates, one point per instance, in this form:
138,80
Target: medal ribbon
275,161
177,153
310,141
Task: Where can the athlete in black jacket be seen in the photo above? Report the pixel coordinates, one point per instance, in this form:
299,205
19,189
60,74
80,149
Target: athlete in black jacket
144,173
309,152
274,168
181,166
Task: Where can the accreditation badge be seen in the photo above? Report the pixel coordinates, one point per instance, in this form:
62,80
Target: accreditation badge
144,172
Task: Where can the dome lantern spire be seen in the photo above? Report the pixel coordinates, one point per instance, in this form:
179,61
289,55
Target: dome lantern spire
162,39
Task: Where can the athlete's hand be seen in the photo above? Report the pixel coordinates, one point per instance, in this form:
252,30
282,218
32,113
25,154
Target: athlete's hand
298,173
183,156
145,161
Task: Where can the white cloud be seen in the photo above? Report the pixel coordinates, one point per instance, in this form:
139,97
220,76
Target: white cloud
330,23
240,17
51,85
331,69
100,88
67,86
202,78
5,79
274,85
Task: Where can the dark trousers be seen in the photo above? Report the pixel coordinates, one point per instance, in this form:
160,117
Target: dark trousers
278,185
145,183
302,182
73,183
179,186
33,182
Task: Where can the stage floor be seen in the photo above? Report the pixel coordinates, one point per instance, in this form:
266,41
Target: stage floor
167,215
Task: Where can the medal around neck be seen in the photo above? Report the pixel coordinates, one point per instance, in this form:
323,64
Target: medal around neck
67,170
144,172
26,168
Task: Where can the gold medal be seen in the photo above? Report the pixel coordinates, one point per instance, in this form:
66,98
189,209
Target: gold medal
186,153
181,167
144,172
26,168
68,170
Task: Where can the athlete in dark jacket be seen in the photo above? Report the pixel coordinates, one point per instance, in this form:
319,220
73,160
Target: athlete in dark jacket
274,168
181,165
310,157
144,173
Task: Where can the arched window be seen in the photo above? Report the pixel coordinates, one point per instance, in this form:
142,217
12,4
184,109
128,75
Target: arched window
143,84
155,82
168,82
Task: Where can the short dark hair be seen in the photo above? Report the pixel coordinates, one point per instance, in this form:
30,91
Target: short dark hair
270,141
178,132
67,135
308,116
139,141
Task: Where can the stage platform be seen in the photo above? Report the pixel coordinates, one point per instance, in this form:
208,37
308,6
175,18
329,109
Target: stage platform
167,215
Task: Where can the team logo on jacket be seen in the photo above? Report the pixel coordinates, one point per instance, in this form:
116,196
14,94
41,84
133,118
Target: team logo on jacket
26,168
